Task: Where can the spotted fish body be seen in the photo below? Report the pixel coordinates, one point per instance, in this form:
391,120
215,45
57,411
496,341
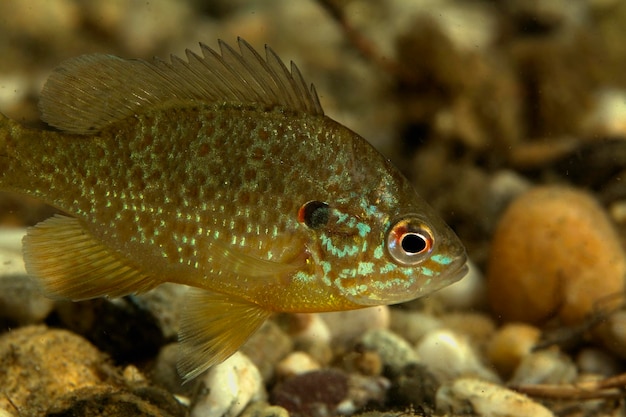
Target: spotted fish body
222,173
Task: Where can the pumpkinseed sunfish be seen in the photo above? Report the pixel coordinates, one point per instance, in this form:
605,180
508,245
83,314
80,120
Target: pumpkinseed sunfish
222,173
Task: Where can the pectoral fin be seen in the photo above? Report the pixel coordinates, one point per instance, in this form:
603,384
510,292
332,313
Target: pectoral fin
213,327
68,262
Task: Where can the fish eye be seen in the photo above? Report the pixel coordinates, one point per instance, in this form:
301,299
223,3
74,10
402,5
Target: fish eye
409,241
314,214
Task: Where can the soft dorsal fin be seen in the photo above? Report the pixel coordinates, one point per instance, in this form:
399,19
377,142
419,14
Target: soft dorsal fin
85,94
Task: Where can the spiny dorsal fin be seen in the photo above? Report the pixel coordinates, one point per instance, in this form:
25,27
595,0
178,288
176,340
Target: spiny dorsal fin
87,93
213,327
70,263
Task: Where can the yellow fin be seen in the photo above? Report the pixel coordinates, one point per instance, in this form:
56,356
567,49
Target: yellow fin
70,263
213,327
87,93
239,263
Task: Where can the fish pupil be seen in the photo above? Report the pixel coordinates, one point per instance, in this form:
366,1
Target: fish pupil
314,214
413,243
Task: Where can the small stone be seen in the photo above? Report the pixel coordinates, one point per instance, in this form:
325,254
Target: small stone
510,344
554,253
468,293
414,385
328,392
227,388
266,347
347,326
20,300
99,321
412,325
545,367
39,365
306,328
165,303
362,361
262,409
319,350
468,396
296,363
315,393
449,356
608,118
363,390
598,362
165,373
612,333
478,328
394,351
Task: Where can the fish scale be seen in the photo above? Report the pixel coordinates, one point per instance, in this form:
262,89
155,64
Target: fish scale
221,173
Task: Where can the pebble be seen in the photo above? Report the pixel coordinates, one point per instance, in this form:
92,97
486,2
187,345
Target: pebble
316,393
545,367
612,333
362,361
597,361
412,325
296,363
41,365
509,345
20,300
477,327
164,372
227,388
608,119
306,328
554,253
98,320
328,392
469,396
267,347
394,351
449,356
165,304
347,326
470,292
262,409
416,384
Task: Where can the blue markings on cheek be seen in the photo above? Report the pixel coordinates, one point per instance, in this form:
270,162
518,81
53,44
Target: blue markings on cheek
441,259
349,250
365,268
427,272
363,228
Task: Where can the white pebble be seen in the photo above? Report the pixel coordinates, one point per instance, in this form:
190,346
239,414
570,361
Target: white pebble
315,331
545,367
467,293
412,325
228,388
20,298
394,351
468,396
450,356
346,326
296,363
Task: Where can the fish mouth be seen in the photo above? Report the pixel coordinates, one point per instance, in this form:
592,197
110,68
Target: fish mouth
457,269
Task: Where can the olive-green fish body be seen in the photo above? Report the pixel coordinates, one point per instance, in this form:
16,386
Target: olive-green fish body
220,173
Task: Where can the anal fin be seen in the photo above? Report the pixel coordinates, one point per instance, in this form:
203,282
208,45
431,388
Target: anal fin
68,262
213,327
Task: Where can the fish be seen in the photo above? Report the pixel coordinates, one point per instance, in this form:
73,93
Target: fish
222,173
